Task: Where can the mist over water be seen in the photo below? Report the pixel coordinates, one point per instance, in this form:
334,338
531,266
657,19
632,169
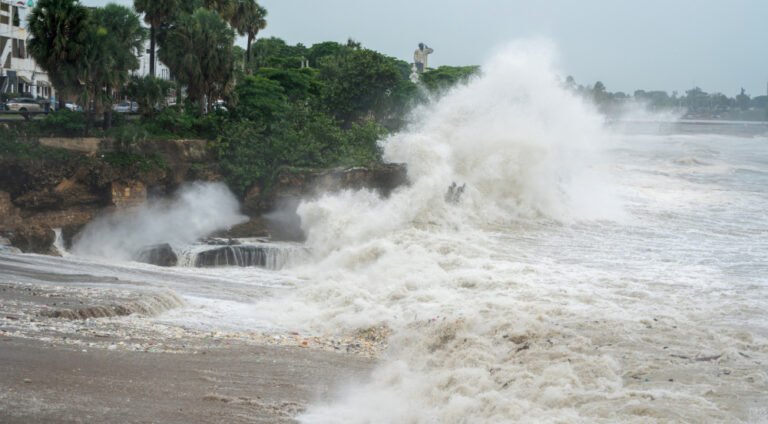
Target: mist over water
195,211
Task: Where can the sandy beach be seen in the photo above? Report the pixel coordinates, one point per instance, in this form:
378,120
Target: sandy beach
44,382
90,352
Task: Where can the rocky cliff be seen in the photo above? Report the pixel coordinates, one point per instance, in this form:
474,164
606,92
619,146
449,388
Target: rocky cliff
69,184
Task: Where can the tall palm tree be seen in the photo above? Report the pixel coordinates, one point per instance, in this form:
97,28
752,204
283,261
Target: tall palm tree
117,34
58,40
225,8
249,18
198,50
156,13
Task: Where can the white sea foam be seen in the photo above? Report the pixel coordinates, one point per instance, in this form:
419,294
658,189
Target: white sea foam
583,276
555,290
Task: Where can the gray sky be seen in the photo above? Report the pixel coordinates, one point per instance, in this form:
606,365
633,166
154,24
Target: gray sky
719,45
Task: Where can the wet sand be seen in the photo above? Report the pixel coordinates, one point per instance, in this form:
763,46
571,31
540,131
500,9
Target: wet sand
43,382
84,349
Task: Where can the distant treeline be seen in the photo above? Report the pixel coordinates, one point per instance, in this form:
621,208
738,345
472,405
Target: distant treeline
696,103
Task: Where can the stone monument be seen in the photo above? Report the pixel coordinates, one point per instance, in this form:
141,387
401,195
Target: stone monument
421,56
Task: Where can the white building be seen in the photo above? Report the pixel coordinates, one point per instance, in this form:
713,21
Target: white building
161,71
19,74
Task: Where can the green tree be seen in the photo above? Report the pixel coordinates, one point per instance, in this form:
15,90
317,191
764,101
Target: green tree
198,50
696,100
149,92
359,85
299,84
115,34
225,8
261,100
156,14
447,76
58,36
248,19
599,93
742,100
325,49
273,52
245,155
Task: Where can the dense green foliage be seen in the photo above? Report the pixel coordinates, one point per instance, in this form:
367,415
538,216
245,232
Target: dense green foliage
332,113
695,103
446,77
114,34
87,52
248,18
63,123
140,162
148,92
198,51
286,105
156,14
59,33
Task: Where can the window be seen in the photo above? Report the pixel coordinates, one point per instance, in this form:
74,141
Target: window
19,49
15,16
4,20
4,7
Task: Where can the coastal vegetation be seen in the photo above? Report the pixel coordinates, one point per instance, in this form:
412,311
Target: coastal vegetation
695,103
266,106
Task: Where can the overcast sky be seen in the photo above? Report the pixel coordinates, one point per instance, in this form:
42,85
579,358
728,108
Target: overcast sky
719,45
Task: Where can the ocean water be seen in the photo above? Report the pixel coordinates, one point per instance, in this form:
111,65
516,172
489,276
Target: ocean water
586,274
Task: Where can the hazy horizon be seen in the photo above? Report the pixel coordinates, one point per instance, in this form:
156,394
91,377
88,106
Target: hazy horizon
656,46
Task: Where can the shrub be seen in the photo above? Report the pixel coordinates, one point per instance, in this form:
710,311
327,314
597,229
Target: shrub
64,123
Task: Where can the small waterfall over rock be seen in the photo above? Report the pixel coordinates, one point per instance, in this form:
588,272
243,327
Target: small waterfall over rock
58,243
222,253
242,255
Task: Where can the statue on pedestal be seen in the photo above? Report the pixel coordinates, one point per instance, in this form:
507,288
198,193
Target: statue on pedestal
421,56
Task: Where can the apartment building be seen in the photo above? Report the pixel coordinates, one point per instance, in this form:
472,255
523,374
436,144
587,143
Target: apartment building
19,73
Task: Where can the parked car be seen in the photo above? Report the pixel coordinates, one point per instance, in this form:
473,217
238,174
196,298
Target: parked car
126,107
220,105
24,104
74,107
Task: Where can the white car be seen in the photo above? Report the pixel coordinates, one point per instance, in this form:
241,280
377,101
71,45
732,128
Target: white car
24,104
126,107
74,107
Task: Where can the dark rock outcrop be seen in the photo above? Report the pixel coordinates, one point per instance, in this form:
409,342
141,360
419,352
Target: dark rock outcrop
254,227
295,184
149,306
34,238
159,254
278,204
10,216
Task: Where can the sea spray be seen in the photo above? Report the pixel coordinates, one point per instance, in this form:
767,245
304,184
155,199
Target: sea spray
524,147
527,151
527,300
195,211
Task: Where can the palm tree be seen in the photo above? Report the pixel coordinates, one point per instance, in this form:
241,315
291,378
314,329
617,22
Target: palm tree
58,38
156,13
198,50
249,18
225,8
117,34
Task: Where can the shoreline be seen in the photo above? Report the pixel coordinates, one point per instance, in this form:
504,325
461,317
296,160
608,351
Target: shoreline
93,351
